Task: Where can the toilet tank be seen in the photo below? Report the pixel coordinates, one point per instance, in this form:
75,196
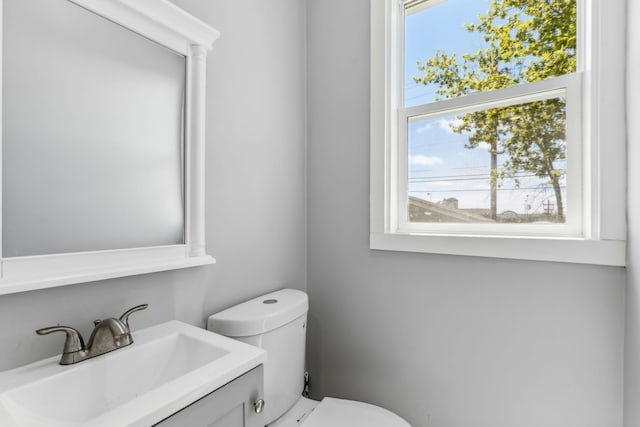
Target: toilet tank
276,322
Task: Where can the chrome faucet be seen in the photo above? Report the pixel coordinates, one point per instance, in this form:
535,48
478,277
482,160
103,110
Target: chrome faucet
108,335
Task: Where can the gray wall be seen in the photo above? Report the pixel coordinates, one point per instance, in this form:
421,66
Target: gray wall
255,191
441,340
632,342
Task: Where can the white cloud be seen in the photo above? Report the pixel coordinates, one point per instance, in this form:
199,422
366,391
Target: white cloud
424,128
422,160
446,124
484,145
441,184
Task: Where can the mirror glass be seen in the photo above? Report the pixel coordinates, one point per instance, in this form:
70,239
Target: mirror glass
92,133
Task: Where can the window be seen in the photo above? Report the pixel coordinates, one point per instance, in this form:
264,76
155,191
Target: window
488,129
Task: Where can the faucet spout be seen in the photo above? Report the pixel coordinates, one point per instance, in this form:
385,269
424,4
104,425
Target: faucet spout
108,335
111,334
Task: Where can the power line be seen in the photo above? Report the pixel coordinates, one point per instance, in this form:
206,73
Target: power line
467,177
480,189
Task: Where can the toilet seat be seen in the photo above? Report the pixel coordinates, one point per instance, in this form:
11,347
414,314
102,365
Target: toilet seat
295,416
331,412
349,413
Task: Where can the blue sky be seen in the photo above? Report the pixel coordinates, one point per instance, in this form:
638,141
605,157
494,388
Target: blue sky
439,164
438,27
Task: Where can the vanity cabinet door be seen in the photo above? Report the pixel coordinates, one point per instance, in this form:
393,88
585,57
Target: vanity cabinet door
232,405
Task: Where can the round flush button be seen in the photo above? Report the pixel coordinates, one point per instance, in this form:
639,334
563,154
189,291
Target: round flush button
270,301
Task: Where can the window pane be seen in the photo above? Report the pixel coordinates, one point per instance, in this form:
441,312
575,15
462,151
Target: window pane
455,47
504,165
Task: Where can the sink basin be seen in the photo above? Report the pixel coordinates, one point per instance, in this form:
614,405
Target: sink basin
167,367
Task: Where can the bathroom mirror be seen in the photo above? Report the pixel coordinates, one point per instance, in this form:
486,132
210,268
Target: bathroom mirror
81,175
102,140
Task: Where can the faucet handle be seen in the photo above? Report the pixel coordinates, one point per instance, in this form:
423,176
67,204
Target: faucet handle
125,317
72,343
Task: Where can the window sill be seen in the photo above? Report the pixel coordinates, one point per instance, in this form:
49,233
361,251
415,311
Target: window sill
572,250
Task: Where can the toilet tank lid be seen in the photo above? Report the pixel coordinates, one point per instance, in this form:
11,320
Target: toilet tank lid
261,314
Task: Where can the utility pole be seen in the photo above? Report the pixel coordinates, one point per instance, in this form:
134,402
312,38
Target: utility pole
548,207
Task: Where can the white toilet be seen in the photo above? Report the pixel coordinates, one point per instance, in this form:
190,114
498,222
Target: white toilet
277,323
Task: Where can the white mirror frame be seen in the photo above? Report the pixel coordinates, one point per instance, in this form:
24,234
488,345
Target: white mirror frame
172,27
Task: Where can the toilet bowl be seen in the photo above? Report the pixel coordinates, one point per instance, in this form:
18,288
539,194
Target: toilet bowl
277,323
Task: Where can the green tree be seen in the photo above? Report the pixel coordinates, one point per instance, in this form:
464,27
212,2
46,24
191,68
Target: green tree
525,41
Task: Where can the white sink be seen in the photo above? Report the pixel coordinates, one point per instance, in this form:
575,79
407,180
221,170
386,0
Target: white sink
166,368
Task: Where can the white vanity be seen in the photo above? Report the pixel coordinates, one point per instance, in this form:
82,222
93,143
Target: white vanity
174,374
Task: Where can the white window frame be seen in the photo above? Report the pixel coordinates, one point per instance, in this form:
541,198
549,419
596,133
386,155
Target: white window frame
595,117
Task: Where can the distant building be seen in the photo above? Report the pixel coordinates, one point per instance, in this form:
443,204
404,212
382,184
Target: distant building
421,210
447,210
451,203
